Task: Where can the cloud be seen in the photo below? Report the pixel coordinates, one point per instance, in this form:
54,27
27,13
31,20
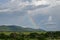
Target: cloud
45,14
50,18
15,5
18,12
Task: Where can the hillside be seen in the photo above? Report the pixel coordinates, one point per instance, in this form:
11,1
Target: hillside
17,28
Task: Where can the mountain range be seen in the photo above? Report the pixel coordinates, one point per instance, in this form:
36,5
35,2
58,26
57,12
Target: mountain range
18,28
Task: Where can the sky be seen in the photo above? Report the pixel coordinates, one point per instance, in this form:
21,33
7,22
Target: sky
37,14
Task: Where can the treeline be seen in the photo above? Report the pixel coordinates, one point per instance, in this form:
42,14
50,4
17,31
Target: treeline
31,36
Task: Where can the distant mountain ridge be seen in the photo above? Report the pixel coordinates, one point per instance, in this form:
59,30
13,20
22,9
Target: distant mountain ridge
17,28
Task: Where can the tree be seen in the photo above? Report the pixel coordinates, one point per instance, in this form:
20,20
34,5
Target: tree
33,35
42,37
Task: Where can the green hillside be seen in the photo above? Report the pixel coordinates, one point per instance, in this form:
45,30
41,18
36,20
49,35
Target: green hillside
17,28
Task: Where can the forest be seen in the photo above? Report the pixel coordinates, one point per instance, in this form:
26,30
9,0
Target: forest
30,35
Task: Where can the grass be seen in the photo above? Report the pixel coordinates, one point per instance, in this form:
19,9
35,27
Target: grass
26,33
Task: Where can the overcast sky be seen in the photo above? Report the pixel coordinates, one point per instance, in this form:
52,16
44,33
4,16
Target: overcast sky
43,14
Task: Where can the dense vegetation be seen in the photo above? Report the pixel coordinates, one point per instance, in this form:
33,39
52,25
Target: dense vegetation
30,36
14,32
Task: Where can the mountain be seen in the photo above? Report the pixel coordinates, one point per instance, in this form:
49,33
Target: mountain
17,28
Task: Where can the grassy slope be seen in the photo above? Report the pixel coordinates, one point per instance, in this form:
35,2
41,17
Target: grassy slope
18,29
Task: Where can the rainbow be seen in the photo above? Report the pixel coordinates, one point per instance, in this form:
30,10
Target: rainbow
33,21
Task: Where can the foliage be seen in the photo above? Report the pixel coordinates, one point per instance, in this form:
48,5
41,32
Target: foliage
30,36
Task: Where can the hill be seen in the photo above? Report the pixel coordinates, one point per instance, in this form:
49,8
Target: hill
17,28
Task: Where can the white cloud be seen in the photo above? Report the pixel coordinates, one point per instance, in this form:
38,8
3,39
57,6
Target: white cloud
53,11
12,5
50,18
35,7
19,4
39,2
15,5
